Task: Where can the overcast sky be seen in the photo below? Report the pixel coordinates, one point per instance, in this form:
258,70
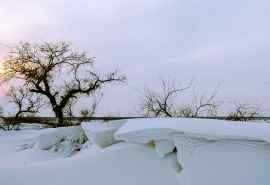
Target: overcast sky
210,41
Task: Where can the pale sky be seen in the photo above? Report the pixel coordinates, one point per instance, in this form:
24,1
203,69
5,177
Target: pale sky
212,42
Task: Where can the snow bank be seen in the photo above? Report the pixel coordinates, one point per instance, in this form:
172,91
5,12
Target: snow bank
102,133
223,162
61,139
144,130
164,147
20,148
209,151
119,164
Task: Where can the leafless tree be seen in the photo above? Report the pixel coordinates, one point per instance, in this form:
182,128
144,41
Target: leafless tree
165,103
202,105
27,104
162,104
243,112
56,72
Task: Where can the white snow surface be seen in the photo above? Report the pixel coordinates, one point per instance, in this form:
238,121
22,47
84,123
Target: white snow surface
119,164
61,138
102,133
164,147
209,152
223,162
159,128
16,149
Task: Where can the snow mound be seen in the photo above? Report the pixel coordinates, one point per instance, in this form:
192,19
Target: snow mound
164,147
223,162
158,128
119,164
209,151
187,152
102,133
61,139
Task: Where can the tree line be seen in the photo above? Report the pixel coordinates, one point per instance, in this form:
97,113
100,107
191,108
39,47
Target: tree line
55,75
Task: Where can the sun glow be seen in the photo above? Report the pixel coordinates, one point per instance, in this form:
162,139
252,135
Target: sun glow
1,68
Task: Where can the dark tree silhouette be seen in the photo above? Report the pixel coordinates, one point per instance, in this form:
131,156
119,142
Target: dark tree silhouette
201,105
244,112
2,122
27,104
162,103
56,72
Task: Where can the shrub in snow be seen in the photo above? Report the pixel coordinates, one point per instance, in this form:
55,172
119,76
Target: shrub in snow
102,133
61,139
164,147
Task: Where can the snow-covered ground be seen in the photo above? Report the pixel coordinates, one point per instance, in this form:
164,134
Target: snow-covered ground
140,151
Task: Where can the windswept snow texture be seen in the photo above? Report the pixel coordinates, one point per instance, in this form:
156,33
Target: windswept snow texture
210,152
66,140
164,147
159,128
16,149
224,162
121,164
102,133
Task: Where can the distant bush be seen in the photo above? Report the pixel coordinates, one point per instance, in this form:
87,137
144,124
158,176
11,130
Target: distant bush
244,112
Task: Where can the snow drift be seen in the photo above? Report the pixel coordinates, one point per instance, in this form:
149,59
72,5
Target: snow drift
120,164
140,151
198,128
102,133
209,151
62,140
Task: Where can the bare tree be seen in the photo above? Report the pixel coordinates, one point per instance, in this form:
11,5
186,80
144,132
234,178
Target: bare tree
165,103
201,105
162,103
56,72
243,112
27,104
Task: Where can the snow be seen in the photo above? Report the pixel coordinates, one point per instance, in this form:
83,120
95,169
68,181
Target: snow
66,140
223,162
164,147
159,128
140,151
209,151
13,145
32,145
102,133
120,164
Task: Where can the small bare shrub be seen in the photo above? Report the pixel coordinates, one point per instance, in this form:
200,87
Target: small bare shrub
244,112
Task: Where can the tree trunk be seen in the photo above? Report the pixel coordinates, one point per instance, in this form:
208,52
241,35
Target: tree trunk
60,117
